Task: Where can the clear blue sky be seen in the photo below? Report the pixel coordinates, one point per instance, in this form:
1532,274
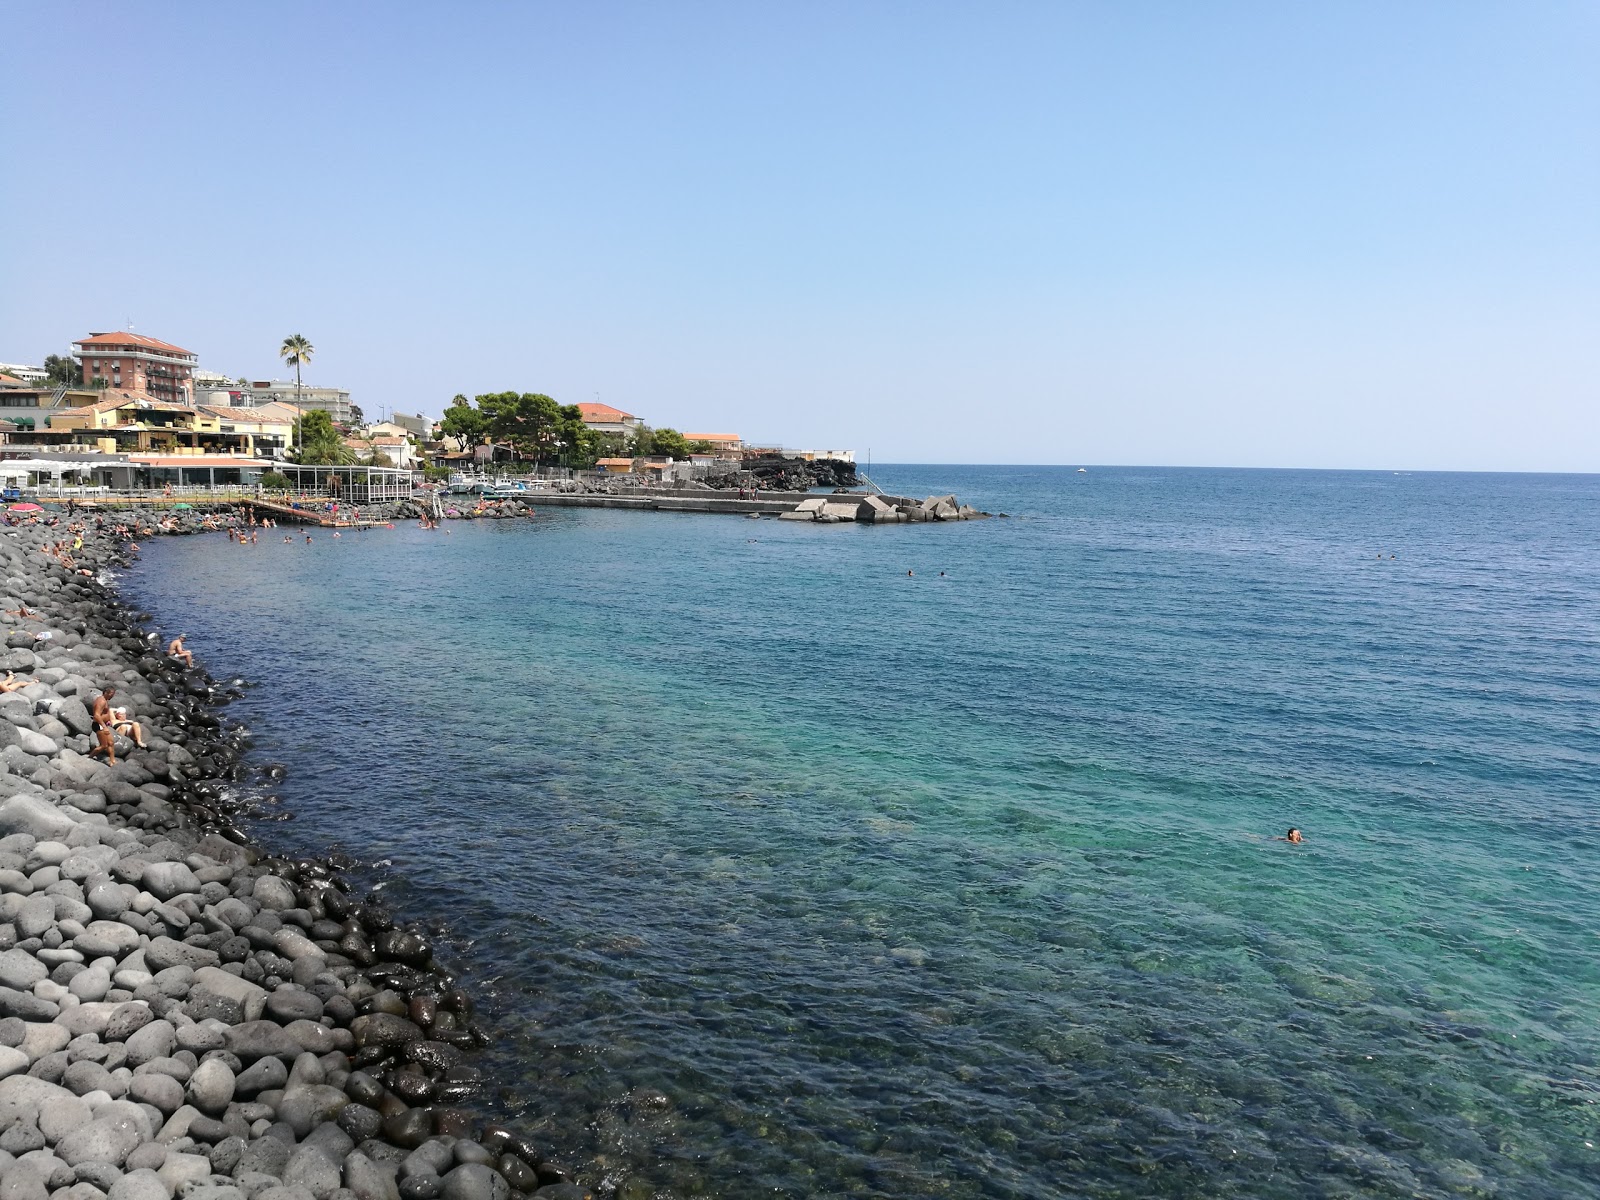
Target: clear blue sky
1261,234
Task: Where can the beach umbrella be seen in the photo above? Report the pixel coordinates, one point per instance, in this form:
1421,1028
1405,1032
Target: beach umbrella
181,504
26,508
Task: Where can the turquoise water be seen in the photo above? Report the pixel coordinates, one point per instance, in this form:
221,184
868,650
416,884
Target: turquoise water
784,873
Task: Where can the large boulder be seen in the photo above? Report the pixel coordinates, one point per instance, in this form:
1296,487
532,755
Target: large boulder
34,816
228,998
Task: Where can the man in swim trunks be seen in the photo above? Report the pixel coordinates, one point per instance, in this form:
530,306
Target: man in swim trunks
175,650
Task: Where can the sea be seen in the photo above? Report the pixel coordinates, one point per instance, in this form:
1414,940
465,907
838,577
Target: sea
946,860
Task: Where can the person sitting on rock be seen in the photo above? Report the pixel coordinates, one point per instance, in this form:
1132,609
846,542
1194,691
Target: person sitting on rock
176,651
122,723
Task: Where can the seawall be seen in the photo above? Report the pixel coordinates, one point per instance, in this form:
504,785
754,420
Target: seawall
183,1014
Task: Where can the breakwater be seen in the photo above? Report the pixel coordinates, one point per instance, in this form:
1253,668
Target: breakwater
182,1013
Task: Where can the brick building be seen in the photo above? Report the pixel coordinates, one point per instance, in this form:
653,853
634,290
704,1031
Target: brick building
136,363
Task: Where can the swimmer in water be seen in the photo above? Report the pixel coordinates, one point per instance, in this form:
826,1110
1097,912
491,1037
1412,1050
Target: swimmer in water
909,573
1294,836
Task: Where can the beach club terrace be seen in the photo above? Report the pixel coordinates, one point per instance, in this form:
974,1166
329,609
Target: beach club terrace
128,422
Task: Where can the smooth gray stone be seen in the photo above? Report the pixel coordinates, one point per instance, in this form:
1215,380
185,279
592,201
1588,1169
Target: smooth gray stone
270,892
147,1155
21,970
475,1181
92,984
201,1038
154,1041
225,1154
305,1106
164,880
292,1004
264,1074
100,1175
107,900
163,952
265,1156
285,1193
174,981
27,1006
181,1169
23,1181
21,1095
331,1140
23,1137
36,816
370,1180
59,1115
309,1167
260,1039
12,1031
12,1061
143,1184
106,939
103,1140
37,914
211,1086
212,1191
83,1077
157,1090
226,997
433,1157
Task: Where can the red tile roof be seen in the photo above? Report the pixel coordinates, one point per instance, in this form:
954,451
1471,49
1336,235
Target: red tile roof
603,412
132,339
10,381
712,437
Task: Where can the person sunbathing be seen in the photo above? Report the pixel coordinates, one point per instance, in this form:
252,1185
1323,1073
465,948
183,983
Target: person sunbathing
12,684
122,723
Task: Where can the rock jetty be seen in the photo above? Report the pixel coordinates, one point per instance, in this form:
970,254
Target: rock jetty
878,510
181,1014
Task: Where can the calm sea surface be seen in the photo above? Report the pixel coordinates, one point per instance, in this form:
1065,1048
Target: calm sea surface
786,874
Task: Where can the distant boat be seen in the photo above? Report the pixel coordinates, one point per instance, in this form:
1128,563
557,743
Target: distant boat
1083,470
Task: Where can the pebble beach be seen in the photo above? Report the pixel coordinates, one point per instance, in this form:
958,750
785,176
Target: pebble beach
182,1014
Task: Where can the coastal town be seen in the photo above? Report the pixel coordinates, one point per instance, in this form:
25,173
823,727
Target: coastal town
130,415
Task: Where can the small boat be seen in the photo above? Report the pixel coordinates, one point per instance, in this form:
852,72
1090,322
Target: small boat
1083,470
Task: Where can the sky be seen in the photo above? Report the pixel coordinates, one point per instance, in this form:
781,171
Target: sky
1361,235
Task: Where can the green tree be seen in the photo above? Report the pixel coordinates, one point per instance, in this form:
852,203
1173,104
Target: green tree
701,446
463,421
62,370
530,422
319,442
671,443
296,349
275,481
642,443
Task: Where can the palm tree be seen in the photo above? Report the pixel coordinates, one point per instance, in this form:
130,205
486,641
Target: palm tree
296,349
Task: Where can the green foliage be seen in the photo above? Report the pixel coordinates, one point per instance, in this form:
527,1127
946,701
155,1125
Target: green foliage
671,443
701,446
641,443
275,481
436,474
461,420
319,442
62,370
380,459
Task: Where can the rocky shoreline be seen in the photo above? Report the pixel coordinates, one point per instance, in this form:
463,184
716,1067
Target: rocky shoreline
181,1014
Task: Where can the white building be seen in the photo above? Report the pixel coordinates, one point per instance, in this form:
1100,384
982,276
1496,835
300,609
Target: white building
24,372
333,401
